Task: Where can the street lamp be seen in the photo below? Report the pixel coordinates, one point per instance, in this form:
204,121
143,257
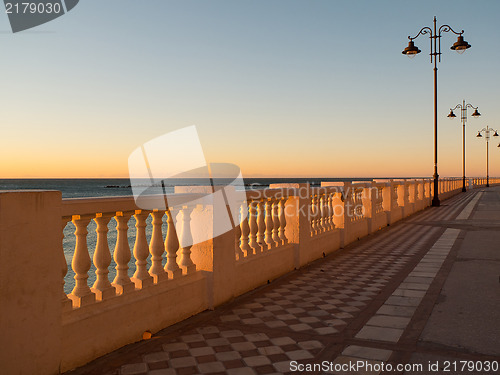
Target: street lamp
463,107
487,130
411,50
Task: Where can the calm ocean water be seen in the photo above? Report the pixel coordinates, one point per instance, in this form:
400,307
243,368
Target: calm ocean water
78,188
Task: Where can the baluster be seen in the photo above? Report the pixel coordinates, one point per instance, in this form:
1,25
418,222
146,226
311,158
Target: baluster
326,212
245,230
102,259
358,204
312,215
282,217
121,255
331,210
141,277
317,215
81,294
322,213
186,242
66,302
269,224
254,227
238,253
157,248
172,245
347,206
276,222
261,215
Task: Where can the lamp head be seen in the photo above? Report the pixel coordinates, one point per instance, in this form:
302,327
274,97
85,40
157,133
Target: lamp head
460,45
496,134
476,114
411,50
479,135
451,115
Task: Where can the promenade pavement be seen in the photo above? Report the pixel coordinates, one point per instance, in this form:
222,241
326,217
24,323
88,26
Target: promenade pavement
422,292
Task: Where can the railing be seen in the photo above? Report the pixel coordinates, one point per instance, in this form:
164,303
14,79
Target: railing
160,272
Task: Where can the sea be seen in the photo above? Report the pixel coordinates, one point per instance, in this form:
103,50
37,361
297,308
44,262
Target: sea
112,187
81,188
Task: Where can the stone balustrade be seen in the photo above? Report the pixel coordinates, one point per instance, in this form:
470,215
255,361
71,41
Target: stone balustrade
141,270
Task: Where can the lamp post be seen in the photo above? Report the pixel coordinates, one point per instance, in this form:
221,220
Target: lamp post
487,130
411,50
463,108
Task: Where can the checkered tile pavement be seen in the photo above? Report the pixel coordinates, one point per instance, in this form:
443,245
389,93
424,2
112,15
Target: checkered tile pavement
212,350
293,318
322,300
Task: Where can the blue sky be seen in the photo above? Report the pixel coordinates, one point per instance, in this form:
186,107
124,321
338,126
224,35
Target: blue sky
279,87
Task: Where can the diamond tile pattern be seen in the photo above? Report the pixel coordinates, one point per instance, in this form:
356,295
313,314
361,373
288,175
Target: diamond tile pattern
322,300
215,350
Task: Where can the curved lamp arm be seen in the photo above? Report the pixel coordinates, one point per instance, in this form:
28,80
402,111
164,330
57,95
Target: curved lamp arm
448,28
423,30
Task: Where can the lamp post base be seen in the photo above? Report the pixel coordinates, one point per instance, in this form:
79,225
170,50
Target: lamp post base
436,202
464,190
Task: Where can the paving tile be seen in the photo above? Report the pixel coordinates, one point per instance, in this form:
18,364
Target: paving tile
259,360
228,356
163,371
422,274
192,338
219,341
204,350
414,286
299,355
134,369
312,344
403,301
367,353
270,350
409,293
380,333
299,327
282,341
389,321
156,357
242,346
233,333
335,322
211,367
182,362
282,367
241,371
256,337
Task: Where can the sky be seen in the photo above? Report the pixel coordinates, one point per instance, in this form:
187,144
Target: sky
281,88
